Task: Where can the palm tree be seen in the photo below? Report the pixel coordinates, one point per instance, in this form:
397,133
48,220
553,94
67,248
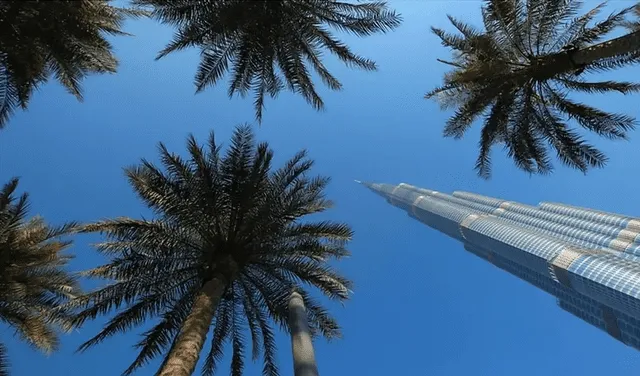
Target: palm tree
225,250
268,45
518,73
61,38
33,283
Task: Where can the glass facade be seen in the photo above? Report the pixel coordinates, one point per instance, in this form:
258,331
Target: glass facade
588,259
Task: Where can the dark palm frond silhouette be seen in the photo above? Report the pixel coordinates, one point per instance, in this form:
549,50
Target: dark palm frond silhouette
65,39
633,24
517,75
33,283
226,248
267,46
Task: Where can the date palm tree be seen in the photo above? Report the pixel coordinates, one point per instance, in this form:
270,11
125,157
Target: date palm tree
517,75
268,45
61,38
33,283
225,250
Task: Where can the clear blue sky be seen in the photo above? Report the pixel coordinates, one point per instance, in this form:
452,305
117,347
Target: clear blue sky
422,305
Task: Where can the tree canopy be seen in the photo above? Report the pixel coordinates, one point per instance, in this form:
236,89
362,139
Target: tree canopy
267,46
517,74
34,285
231,219
66,39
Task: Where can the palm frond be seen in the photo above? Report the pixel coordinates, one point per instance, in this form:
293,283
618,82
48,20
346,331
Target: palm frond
237,342
4,361
612,126
453,41
569,146
474,107
8,94
495,125
599,87
260,313
157,340
576,32
633,25
214,62
222,330
594,34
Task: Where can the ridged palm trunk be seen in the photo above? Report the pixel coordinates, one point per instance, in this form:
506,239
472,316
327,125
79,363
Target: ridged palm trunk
564,62
625,44
304,362
183,356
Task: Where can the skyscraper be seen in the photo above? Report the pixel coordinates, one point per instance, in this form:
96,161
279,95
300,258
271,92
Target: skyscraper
588,259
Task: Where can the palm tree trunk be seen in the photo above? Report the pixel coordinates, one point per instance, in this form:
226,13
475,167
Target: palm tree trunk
622,45
185,352
568,61
304,362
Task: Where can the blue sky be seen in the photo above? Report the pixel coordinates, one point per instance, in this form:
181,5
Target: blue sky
422,305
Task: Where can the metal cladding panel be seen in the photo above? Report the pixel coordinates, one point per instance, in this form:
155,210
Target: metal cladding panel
588,259
514,243
608,279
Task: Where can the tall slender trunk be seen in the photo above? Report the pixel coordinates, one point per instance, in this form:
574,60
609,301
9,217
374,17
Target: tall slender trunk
625,44
304,362
183,356
568,61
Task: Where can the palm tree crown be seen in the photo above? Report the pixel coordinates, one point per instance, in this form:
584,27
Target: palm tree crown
269,45
33,283
518,74
63,38
228,219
